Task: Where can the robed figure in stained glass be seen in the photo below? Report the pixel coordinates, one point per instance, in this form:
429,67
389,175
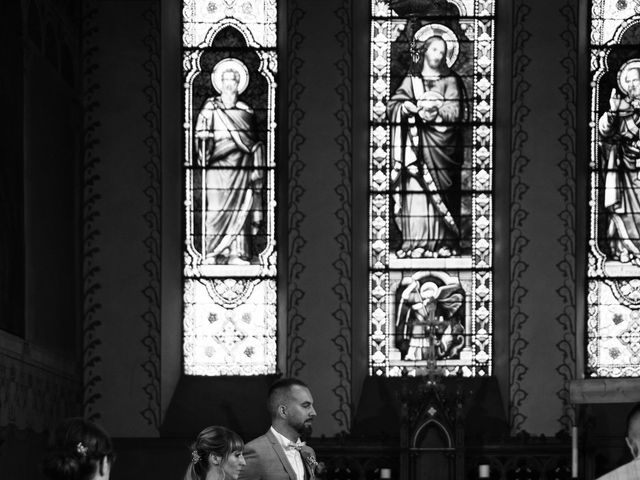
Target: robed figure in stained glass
229,148
426,148
620,148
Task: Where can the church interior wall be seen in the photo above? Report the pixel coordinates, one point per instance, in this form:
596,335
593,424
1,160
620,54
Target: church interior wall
122,381
543,193
40,372
103,225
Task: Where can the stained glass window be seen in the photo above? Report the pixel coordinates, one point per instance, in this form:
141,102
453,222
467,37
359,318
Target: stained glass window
431,187
613,325
229,67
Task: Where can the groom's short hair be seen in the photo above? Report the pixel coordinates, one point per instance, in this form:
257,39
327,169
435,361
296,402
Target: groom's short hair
279,391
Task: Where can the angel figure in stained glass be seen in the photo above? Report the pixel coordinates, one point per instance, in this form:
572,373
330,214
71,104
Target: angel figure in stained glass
620,149
229,148
426,147
429,320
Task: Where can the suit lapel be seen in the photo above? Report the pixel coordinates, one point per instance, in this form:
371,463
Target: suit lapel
308,473
281,455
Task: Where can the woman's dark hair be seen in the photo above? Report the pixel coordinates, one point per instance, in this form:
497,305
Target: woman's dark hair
76,450
219,441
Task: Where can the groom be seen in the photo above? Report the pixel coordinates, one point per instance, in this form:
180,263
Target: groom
279,454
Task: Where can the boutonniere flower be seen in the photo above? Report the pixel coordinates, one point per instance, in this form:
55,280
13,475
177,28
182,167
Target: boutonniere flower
311,461
317,468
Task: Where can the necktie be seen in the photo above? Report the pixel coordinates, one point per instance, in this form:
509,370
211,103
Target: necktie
296,446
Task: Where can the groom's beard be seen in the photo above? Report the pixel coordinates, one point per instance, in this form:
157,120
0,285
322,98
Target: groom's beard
305,430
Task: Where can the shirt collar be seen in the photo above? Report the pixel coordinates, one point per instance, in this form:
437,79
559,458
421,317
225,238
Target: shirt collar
282,440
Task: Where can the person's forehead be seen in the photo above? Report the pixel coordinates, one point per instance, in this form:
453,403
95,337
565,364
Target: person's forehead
301,394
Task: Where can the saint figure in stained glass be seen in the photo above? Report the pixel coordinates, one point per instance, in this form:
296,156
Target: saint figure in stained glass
431,187
620,149
427,151
229,149
430,317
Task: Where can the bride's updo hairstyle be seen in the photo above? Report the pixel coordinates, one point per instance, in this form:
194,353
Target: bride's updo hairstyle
220,442
77,450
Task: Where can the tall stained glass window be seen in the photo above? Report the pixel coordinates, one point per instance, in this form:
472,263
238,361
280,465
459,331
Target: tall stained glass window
431,187
229,70
613,325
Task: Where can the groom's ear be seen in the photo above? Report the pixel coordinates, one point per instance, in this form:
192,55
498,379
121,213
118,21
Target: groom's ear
632,447
282,410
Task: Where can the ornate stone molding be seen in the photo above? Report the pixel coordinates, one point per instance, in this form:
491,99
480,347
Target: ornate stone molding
153,220
567,241
342,264
518,214
90,212
37,388
296,165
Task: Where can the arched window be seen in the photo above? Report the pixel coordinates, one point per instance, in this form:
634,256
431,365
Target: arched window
229,65
431,187
613,302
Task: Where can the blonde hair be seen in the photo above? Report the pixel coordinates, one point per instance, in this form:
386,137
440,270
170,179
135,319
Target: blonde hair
216,440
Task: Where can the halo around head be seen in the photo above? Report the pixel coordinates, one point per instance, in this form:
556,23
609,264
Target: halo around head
230,64
433,29
429,290
623,85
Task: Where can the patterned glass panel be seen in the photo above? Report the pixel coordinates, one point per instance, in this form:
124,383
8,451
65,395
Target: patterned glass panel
431,187
613,326
229,67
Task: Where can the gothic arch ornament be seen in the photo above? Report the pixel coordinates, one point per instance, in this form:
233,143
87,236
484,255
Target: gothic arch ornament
432,423
229,22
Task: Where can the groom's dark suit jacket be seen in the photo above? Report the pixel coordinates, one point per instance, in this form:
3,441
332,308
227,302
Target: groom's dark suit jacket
266,460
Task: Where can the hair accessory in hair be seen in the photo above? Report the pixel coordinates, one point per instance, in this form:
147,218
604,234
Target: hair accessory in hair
195,457
81,449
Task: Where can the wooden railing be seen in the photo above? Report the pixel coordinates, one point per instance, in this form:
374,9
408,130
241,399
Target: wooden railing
550,459
361,458
528,461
